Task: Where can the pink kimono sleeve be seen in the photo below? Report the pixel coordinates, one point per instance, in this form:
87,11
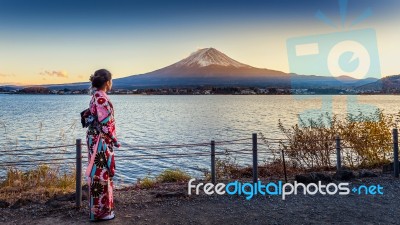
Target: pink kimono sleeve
106,119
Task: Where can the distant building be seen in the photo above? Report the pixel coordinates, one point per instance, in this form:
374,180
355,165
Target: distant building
262,91
247,92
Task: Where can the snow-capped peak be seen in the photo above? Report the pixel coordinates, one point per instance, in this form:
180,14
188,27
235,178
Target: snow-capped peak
209,56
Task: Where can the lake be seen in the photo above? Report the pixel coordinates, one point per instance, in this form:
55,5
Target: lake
29,121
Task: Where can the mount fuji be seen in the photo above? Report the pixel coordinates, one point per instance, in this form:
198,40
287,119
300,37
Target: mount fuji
206,66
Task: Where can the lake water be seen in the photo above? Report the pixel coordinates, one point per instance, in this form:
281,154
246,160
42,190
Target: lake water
149,120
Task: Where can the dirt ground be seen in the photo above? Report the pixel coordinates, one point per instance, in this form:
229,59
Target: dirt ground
170,204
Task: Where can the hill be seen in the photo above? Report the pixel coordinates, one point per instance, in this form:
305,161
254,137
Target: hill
390,84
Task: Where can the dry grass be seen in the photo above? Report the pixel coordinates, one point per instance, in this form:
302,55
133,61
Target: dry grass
147,183
38,184
366,140
173,175
167,176
43,181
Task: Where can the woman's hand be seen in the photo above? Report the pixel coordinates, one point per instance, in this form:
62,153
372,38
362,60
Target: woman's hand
117,144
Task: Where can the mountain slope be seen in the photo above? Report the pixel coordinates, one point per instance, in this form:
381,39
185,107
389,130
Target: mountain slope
387,84
210,62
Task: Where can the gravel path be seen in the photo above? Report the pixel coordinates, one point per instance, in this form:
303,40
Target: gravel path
171,205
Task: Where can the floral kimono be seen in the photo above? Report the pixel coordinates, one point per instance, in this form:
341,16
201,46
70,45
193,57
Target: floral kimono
101,139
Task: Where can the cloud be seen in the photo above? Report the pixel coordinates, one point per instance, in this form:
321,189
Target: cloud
11,83
6,75
54,73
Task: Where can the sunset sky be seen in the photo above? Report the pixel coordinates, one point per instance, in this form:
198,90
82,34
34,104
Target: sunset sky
44,42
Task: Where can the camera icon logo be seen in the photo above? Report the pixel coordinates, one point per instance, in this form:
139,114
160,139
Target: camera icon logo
352,53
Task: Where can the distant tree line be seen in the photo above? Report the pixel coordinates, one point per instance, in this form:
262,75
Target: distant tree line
199,90
35,90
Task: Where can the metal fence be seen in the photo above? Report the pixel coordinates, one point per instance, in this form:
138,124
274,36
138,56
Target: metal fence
254,152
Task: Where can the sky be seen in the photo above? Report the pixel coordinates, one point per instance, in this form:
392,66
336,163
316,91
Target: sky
49,42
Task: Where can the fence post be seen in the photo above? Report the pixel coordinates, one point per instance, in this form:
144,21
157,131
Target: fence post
78,193
396,152
284,165
213,176
338,156
255,159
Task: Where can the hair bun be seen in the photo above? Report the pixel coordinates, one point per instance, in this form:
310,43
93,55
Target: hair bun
100,77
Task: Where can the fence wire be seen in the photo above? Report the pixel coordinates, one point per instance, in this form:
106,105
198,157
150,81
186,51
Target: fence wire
267,147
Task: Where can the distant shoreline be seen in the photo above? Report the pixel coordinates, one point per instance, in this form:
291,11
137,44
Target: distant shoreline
139,94
209,90
394,94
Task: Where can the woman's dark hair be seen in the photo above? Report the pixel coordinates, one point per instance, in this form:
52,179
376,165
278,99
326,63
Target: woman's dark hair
100,77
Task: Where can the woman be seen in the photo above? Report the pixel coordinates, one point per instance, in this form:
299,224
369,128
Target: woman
101,140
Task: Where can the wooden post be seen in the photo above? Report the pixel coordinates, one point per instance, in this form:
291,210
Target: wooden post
78,193
396,152
213,175
284,165
338,156
255,159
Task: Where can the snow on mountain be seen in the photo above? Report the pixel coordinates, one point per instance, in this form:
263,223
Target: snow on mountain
209,56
